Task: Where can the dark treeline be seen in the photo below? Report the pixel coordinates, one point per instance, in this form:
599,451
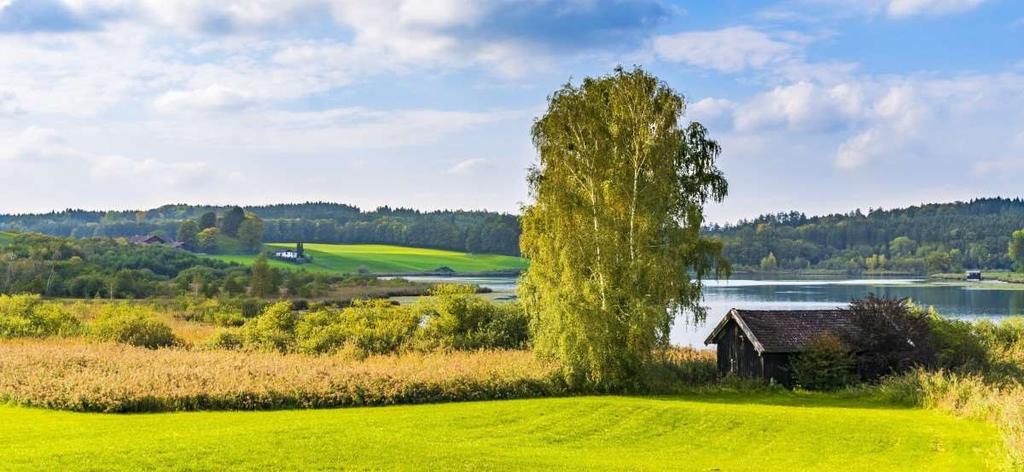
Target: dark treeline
921,239
471,231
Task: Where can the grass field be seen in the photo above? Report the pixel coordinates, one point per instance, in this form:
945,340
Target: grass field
5,237
377,258
730,432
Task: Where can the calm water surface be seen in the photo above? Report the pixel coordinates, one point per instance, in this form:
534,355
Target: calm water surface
971,302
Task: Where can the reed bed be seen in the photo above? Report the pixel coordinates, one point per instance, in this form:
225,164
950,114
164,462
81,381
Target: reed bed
71,374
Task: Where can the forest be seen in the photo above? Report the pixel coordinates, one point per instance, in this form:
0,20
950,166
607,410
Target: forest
929,238
316,222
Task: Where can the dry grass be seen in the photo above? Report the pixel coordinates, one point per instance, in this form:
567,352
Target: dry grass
71,374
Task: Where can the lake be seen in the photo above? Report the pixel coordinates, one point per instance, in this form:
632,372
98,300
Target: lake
955,300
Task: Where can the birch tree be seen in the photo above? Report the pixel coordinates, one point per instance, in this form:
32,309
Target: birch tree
613,232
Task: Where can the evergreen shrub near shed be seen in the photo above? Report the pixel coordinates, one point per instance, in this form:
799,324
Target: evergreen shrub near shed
826,364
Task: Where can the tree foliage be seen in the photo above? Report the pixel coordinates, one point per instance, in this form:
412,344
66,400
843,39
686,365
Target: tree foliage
613,235
920,239
250,233
1016,250
319,222
231,220
891,337
263,283
188,235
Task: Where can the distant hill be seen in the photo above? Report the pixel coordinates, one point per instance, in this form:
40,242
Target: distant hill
378,258
920,239
318,222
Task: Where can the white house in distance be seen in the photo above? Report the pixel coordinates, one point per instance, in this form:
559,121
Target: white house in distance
289,254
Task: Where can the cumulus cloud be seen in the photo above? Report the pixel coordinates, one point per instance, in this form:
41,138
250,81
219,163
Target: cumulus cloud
710,109
727,50
891,118
213,97
802,106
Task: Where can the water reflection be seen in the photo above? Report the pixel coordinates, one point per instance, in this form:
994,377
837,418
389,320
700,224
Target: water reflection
971,301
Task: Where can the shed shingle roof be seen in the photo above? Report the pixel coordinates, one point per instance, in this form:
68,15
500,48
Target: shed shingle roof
787,330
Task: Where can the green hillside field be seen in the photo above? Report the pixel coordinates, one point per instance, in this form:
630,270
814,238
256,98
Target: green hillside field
378,258
5,237
762,432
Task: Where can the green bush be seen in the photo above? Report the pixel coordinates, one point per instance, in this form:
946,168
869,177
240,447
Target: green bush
130,324
225,339
456,318
30,316
958,345
210,310
826,365
273,330
370,327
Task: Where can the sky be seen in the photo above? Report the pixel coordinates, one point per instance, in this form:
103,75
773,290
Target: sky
820,106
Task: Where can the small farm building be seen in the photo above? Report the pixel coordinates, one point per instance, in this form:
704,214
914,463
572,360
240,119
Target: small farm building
287,254
153,239
761,343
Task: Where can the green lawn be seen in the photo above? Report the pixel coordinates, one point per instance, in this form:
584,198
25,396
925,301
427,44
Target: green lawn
725,432
5,237
378,258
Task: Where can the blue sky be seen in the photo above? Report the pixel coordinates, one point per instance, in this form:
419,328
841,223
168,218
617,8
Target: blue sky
820,105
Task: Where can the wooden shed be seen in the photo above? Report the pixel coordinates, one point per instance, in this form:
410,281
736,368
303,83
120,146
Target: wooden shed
760,343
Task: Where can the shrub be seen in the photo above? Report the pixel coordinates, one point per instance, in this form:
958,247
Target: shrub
826,364
224,339
369,327
892,336
273,330
30,316
130,324
456,318
1004,345
957,343
210,310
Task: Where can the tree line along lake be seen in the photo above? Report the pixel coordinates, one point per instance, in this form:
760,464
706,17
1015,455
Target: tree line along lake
959,300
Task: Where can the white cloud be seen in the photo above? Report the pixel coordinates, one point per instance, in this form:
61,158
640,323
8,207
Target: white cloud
801,106
905,8
727,50
990,168
36,146
9,104
467,166
875,119
117,168
710,108
895,9
214,97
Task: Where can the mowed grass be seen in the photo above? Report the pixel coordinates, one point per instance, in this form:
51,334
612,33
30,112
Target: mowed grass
760,432
379,258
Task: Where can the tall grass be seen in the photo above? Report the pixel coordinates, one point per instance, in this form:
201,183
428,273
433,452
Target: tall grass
70,374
